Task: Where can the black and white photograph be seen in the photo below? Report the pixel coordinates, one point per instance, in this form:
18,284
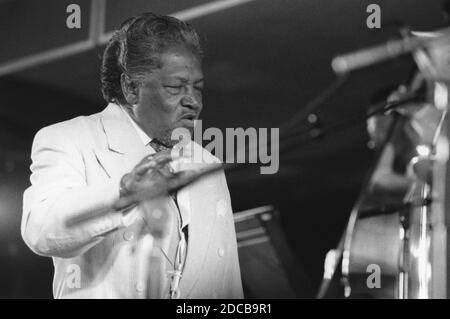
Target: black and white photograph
243,151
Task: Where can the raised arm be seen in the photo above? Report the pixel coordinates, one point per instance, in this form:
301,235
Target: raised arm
58,192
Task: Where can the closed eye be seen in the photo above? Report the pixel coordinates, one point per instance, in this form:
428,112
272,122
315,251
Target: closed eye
176,89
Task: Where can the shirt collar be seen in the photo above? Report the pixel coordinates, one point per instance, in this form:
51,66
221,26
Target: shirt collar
140,132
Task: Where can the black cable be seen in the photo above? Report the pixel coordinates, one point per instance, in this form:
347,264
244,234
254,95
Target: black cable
313,104
286,126
378,108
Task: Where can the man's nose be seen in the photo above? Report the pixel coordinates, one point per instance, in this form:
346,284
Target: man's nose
189,100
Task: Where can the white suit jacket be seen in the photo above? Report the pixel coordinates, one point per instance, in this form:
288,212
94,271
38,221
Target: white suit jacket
76,169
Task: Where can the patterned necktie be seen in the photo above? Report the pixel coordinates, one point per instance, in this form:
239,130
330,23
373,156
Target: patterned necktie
158,146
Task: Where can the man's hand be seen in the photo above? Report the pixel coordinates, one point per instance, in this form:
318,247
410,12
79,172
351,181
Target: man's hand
148,179
152,178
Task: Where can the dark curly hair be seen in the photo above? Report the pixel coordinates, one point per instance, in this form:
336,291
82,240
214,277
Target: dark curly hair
135,48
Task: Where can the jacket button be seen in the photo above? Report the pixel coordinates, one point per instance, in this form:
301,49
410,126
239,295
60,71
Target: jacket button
140,286
128,235
220,252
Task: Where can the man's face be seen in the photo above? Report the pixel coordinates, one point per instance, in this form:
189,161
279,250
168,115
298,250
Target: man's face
171,96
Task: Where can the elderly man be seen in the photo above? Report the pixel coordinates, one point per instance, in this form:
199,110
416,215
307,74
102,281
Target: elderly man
88,206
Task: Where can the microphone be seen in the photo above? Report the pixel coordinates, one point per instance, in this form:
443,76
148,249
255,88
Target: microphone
389,50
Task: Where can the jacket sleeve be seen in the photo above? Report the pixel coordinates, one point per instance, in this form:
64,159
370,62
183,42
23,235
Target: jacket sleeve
58,192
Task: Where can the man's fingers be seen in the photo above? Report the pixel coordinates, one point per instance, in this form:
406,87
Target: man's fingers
163,159
157,161
146,159
143,168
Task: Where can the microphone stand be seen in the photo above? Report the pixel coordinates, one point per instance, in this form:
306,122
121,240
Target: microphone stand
433,66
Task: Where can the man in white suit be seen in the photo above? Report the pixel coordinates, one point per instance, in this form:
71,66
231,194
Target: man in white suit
88,206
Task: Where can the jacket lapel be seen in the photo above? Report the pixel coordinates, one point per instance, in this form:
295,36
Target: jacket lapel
124,147
202,218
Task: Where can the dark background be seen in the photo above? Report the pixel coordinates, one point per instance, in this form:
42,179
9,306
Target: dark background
264,61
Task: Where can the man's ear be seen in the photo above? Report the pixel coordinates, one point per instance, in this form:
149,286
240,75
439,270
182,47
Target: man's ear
130,89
